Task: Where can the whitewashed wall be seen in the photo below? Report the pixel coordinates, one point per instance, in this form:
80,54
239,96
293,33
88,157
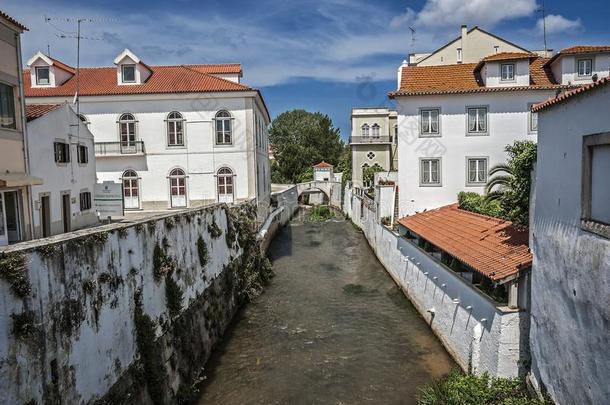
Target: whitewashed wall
480,336
508,115
571,269
565,67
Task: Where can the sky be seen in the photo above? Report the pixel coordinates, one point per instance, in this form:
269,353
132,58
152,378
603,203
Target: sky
320,55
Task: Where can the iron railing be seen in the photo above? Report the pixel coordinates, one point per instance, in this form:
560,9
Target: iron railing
119,148
370,139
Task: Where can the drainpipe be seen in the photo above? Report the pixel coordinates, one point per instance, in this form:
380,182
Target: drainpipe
30,199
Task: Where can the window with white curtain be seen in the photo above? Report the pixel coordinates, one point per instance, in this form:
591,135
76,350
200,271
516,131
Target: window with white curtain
429,121
477,171
507,72
585,67
477,120
430,172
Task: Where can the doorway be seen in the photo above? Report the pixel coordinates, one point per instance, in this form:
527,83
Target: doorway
10,220
45,215
65,211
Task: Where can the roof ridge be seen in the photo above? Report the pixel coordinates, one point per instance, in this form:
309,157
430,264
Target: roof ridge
216,77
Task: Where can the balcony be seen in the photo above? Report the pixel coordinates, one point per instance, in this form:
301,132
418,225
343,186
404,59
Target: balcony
370,139
135,148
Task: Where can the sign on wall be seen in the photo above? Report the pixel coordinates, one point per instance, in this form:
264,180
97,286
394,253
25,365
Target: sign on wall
109,199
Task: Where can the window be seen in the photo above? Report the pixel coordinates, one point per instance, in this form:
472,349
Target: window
596,184
62,152
129,73
370,155
533,122
430,172
429,121
375,130
225,181
459,55
223,128
83,154
477,120
42,76
476,171
507,71
127,130
85,201
131,190
585,67
84,119
7,107
177,182
175,129
365,130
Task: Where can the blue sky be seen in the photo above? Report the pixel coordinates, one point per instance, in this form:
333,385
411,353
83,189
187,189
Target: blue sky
327,56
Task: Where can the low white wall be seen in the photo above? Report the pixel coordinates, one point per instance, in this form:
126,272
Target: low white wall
480,337
287,206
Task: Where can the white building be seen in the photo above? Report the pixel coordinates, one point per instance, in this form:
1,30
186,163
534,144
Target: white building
571,245
61,153
175,136
455,120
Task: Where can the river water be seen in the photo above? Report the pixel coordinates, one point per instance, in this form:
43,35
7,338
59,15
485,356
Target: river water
332,328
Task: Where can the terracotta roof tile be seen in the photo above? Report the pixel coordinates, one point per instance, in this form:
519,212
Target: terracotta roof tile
102,81
13,21
579,49
33,111
465,78
493,247
569,94
509,56
323,165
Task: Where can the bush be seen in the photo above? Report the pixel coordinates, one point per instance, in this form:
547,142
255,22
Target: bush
474,202
320,213
462,389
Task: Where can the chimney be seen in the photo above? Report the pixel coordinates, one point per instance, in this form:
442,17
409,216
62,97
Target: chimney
462,49
402,66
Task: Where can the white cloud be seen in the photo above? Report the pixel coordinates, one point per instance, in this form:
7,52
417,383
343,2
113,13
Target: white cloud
556,24
443,13
403,19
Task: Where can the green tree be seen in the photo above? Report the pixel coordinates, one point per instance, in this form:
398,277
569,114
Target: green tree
368,173
301,139
510,183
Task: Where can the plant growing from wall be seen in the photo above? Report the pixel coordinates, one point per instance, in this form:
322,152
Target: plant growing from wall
169,223
48,250
24,324
14,271
152,226
202,251
162,264
214,230
123,232
173,295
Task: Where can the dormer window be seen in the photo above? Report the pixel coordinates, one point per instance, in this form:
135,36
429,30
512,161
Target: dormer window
585,67
43,77
507,72
128,73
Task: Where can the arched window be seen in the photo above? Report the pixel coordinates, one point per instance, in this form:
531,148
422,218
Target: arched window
84,119
375,130
224,134
224,180
177,188
175,129
365,130
131,190
127,131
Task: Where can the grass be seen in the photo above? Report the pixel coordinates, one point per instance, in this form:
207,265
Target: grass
321,213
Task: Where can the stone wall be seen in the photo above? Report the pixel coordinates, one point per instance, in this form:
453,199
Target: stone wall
480,336
125,313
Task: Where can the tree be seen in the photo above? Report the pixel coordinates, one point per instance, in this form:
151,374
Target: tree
300,139
510,183
368,173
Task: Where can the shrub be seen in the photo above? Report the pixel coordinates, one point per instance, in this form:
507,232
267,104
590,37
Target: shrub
474,202
202,250
320,213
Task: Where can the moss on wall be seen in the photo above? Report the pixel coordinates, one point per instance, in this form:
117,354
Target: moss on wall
14,271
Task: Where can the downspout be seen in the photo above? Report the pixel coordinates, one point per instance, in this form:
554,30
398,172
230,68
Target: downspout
25,134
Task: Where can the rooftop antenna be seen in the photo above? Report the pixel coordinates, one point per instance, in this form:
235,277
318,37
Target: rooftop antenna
412,38
543,11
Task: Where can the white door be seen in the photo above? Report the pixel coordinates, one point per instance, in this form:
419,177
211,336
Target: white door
177,188
3,232
131,190
225,185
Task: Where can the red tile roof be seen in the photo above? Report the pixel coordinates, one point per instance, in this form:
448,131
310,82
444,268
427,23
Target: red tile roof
13,21
323,165
570,94
493,247
33,111
102,81
62,65
465,78
579,49
509,56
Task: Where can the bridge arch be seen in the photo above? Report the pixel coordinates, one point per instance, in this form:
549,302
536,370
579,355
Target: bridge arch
331,191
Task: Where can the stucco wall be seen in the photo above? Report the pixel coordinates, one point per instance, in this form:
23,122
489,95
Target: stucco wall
480,336
570,277
90,310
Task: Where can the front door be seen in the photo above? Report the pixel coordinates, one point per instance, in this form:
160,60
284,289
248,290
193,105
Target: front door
45,215
131,193
225,186
12,218
178,192
3,234
65,211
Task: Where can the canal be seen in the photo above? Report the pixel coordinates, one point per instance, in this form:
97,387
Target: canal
332,328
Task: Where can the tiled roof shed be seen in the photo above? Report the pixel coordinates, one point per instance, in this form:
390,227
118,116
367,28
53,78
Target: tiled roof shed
570,94
33,111
323,165
491,246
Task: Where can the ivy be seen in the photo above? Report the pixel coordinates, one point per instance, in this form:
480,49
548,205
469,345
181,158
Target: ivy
214,230
173,295
14,271
202,250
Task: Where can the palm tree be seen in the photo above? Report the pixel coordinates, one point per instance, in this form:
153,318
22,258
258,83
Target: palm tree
496,178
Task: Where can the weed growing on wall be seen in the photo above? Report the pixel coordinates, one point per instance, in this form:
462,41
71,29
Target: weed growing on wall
173,295
24,324
88,241
13,270
162,264
123,232
169,223
202,250
214,230
152,226
47,251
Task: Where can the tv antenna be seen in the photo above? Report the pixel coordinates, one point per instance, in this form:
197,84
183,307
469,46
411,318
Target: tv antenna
543,11
412,37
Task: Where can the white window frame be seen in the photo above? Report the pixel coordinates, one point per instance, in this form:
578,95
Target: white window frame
422,170
478,159
130,65
429,111
530,119
365,130
508,78
172,122
224,130
375,130
40,68
477,132
584,76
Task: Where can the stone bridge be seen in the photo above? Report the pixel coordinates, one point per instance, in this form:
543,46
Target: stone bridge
331,189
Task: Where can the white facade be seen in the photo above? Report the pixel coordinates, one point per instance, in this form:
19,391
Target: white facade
565,68
454,147
64,202
165,148
571,246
